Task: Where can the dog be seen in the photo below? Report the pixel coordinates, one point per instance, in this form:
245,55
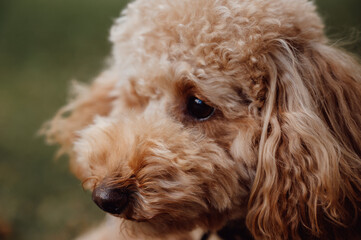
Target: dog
233,119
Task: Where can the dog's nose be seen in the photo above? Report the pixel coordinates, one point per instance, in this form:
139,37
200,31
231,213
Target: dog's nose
111,200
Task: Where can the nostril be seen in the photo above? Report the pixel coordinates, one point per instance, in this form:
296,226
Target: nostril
111,200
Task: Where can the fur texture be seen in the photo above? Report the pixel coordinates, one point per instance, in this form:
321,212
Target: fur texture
281,152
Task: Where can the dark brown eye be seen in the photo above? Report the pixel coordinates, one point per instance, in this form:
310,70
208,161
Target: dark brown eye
198,109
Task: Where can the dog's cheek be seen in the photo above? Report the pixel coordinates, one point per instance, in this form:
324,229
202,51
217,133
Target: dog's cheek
244,147
192,185
166,190
179,206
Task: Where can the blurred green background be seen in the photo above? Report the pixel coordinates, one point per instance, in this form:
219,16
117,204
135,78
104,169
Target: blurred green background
43,45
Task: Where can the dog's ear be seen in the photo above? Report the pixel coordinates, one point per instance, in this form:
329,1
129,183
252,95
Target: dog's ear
309,164
85,103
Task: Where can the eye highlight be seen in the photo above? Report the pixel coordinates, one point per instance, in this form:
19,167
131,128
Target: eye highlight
198,109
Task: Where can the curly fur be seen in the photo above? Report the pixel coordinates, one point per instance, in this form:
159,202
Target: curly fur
281,154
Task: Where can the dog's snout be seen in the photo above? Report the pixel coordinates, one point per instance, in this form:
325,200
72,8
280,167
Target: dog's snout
111,200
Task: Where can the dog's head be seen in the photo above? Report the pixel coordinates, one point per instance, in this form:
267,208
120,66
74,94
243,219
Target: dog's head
218,110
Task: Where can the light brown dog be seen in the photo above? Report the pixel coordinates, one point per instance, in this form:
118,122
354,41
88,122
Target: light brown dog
216,115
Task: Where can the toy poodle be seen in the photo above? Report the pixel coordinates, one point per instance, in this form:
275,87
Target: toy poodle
219,119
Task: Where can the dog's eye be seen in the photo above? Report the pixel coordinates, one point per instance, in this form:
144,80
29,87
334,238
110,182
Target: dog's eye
198,109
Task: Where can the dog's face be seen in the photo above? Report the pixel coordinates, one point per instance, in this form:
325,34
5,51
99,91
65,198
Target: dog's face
167,153
179,148
215,115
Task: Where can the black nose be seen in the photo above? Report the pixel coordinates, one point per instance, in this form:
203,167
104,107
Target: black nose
111,200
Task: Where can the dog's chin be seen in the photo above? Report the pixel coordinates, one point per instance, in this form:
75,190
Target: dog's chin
164,224
156,227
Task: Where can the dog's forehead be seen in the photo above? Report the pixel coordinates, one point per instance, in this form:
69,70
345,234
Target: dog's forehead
216,44
210,32
190,25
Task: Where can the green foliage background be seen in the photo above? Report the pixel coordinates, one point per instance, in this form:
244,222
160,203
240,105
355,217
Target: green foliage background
43,45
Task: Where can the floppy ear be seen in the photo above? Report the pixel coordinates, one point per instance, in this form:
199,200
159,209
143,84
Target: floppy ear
309,166
85,103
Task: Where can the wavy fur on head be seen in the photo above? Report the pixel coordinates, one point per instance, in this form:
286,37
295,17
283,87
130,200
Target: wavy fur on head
282,151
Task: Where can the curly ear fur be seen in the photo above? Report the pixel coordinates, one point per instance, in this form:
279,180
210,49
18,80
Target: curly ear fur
85,103
309,168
